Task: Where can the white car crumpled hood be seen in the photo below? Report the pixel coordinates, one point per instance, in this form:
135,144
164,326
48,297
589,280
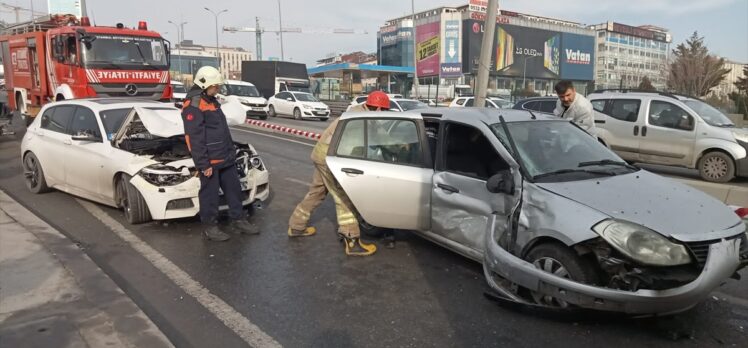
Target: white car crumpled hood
168,122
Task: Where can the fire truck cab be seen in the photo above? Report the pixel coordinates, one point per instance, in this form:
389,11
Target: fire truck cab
60,57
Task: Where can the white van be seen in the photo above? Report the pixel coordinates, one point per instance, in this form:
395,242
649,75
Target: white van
247,95
669,129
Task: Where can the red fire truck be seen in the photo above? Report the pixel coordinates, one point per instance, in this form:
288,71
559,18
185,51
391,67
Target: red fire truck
60,57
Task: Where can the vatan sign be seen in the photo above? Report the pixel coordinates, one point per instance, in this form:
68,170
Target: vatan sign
427,49
72,7
451,66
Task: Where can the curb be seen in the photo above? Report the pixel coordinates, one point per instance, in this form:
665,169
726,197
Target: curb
286,130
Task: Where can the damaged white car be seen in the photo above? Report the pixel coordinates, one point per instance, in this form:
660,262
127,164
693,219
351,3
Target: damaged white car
127,154
555,217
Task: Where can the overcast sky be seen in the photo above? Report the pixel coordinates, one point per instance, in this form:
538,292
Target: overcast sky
724,23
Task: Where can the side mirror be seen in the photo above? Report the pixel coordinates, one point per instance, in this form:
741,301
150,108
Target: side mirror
86,135
503,182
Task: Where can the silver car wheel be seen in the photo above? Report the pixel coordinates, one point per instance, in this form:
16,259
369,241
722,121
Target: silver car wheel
715,167
550,265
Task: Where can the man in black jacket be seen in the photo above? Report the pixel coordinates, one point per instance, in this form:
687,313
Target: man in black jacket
209,141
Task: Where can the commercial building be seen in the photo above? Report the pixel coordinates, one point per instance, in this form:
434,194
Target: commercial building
727,85
187,57
626,54
529,52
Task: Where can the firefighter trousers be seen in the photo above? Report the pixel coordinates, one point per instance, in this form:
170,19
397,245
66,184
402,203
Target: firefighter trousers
323,182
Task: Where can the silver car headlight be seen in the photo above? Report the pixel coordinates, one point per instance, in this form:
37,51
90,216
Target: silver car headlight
256,163
642,244
162,175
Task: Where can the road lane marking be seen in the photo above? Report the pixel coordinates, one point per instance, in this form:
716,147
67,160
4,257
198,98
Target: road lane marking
274,137
731,299
249,332
300,182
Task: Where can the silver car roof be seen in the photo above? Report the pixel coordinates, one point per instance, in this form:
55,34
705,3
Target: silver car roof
471,116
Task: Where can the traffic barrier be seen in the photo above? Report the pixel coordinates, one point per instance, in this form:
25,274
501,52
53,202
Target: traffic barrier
275,127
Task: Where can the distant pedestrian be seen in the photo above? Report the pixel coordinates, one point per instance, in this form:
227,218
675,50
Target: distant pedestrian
574,106
323,182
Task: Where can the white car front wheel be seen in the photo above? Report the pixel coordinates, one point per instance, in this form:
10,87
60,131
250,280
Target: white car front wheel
132,202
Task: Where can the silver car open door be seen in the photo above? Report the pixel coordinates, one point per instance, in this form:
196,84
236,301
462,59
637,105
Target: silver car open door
382,165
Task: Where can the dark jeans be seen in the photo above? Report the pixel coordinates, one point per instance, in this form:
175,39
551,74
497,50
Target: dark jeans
227,179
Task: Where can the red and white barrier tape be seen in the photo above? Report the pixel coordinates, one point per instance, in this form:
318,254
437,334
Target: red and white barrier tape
298,132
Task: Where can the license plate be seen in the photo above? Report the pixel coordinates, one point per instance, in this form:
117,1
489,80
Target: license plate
257,109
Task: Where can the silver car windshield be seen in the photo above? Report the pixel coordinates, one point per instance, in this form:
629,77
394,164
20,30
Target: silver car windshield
560,151
412,105
709,114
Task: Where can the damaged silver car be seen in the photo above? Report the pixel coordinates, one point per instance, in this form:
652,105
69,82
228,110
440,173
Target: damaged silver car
555,217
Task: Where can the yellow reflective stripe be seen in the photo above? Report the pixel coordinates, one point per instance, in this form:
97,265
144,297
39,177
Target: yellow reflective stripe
300,212
350,221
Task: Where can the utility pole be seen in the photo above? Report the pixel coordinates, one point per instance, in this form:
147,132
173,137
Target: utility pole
280,29
415,50
484,62
216,14
180,32
258,38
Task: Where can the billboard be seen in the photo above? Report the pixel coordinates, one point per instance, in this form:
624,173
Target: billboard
428,40
534,53
450,66
64,7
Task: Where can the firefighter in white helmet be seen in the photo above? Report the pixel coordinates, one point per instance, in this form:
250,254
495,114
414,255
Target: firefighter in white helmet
209,141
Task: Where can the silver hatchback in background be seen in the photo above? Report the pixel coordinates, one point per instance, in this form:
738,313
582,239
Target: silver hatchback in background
669,129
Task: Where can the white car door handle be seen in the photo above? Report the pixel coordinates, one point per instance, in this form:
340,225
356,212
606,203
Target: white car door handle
352,171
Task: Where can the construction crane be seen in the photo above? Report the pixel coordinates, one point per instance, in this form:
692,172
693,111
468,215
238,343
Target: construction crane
259,31
17,10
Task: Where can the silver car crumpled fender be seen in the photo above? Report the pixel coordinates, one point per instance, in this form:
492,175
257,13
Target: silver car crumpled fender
722,262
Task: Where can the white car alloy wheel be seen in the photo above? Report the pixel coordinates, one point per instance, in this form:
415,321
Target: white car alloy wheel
717,167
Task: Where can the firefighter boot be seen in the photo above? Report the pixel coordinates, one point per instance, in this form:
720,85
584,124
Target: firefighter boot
356,247
214,233
309,231
242,226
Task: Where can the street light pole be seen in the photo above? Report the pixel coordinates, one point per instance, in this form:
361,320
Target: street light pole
280,29
415,51
524,71
218,56
179,39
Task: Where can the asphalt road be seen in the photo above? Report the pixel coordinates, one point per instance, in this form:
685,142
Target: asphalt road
308,124
306,292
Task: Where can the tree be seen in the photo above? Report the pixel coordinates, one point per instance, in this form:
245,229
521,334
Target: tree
646,84
694,71
742,83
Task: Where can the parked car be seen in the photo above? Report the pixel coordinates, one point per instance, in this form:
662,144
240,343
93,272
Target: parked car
300,105
668,129
556,218
127,154
247,95
491,102
544,105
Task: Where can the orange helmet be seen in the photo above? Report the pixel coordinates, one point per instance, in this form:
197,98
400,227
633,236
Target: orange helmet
378,99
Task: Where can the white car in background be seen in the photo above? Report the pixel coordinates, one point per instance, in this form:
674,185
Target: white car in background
128,154
300,105
491,102
178,93
245,94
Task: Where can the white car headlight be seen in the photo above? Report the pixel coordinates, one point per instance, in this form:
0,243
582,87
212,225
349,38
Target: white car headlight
740,136
642,244
307,106
162,175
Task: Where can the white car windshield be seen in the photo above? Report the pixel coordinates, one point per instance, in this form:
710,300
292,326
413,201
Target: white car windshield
558,150
709,114
305,97
240,90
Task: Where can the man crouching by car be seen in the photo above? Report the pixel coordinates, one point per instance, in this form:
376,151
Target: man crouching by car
209,141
